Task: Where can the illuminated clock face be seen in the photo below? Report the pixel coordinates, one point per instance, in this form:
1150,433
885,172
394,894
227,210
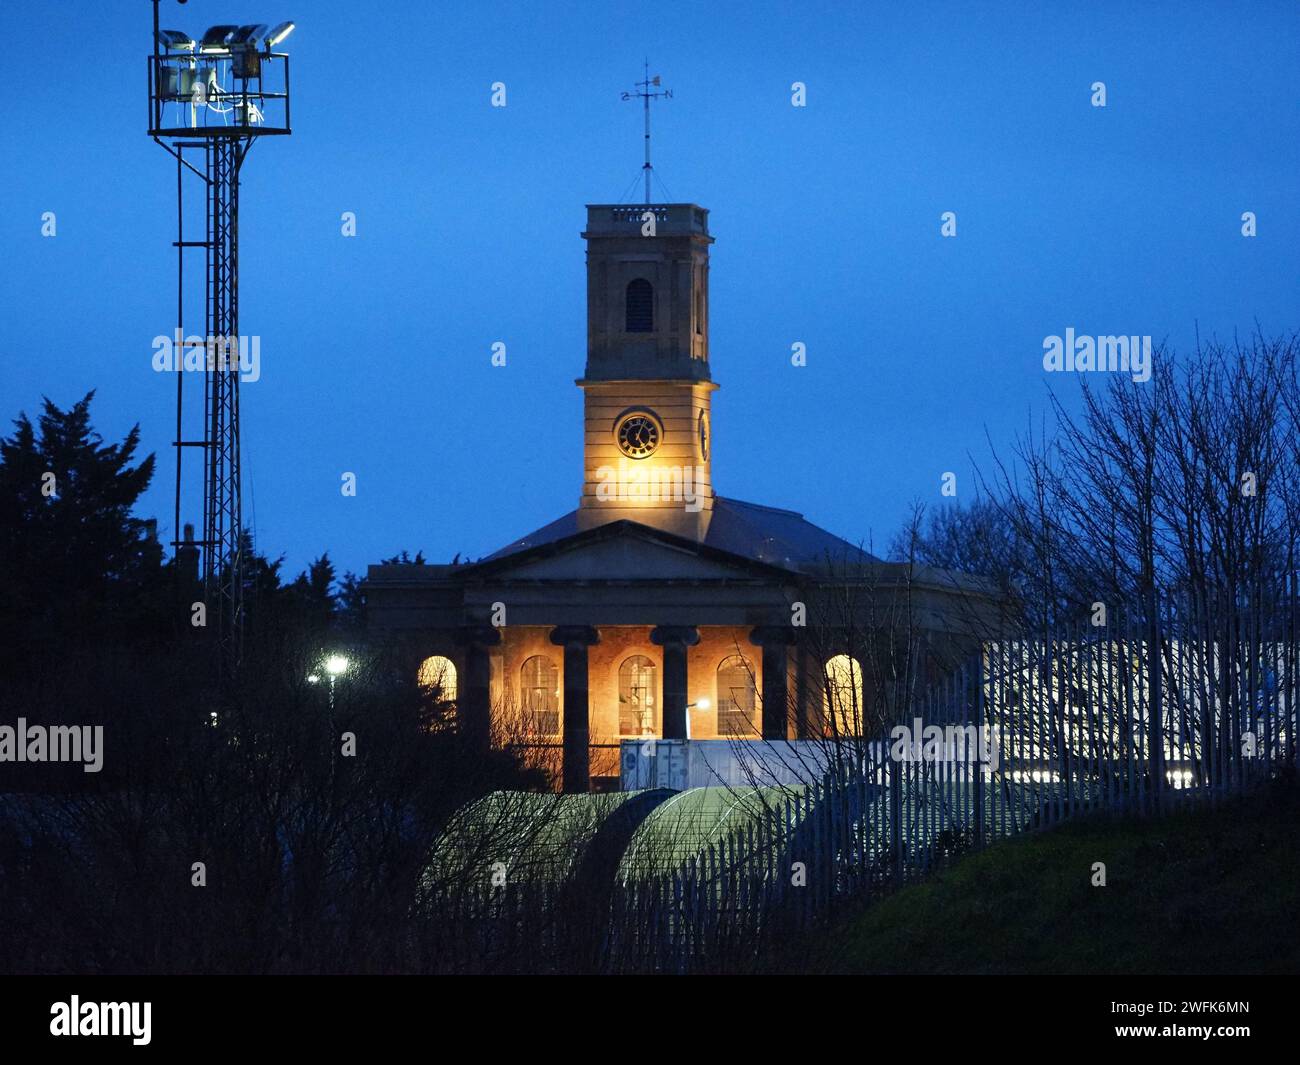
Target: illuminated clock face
638,434
704,436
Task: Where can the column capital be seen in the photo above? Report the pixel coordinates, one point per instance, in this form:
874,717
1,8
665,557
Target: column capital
574,636
683,635
775,635
478,635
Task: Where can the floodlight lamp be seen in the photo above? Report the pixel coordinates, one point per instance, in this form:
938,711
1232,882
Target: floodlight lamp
175,41
336,664
247,36
278,34
217,38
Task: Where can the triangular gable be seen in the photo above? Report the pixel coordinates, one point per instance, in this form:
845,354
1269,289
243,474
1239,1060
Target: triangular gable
620,551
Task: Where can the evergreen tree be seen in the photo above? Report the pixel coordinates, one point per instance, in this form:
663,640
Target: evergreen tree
74,560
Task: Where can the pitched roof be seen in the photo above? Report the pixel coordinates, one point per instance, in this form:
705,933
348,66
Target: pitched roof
764,534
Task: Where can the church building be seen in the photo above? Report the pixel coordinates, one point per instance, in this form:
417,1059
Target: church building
656,608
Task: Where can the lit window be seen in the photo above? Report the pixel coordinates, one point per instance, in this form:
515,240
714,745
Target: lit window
540,686
640,306
736,697
439,673
637,684
844,709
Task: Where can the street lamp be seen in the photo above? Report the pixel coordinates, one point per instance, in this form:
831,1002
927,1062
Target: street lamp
335,666
702,704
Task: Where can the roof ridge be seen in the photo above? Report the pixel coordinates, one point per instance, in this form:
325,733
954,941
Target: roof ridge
758,506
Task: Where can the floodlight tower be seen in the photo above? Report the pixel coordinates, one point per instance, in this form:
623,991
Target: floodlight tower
216,96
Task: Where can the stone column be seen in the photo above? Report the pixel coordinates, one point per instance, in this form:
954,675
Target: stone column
475,695
675,639
801,693
575,639
774,639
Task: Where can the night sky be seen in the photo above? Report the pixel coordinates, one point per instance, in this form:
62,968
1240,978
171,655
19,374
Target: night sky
376,349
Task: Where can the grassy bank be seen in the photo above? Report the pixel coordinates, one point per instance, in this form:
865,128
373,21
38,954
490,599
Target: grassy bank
1211,891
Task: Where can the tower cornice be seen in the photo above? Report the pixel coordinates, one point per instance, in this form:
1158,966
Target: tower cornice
627,220
597,382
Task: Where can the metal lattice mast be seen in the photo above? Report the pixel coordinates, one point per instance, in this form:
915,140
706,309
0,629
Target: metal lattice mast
217,93
223,509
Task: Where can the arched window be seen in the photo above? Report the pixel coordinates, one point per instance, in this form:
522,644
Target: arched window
640,306
699,310
844,710
736,698
638,695
539,684
439,673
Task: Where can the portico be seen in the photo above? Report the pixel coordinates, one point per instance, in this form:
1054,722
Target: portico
618,632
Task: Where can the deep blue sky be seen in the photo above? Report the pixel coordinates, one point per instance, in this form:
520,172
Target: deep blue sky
375,350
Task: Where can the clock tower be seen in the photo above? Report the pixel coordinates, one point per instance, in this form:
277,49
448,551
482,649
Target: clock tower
648,444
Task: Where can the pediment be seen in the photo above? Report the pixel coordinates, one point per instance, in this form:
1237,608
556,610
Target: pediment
625,551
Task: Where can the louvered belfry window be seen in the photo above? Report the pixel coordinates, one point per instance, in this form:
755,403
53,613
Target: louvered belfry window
640,306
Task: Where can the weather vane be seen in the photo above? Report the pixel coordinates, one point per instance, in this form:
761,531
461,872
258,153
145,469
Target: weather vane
643,91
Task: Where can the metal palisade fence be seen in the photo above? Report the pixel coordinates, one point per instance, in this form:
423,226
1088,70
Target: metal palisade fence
1145,714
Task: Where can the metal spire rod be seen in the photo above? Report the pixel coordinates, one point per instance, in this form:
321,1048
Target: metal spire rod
643,92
